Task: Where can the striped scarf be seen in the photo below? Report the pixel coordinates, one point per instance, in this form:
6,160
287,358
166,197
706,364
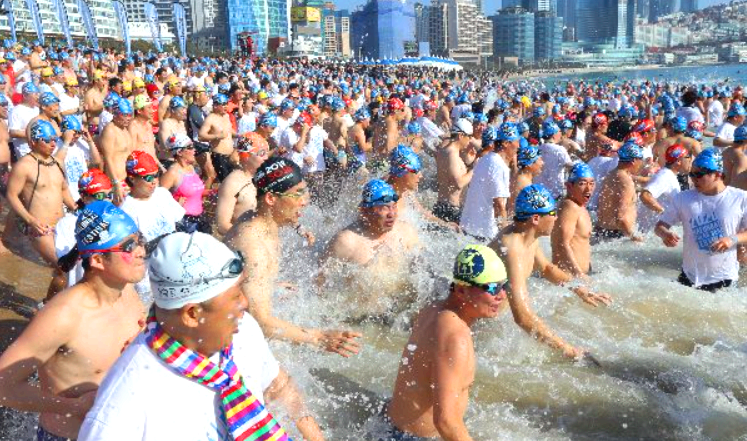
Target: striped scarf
247,418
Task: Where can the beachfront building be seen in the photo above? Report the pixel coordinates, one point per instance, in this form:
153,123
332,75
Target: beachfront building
383,29
548,36
513,34
432,27
102,14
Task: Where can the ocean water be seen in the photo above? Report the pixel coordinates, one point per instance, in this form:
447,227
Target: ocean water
672,358
731,74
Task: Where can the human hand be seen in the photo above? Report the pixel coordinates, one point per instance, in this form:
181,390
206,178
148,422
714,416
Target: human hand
670,239
340,342
308,160
40,228
307,235
592,298
119,195
722,244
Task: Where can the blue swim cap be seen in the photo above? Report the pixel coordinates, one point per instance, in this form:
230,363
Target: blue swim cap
468,115
549,128
413,128
489,136
362,114
404,160
148,78
710,159
42,130
538,111
29,88
523,127
736,109
527,154
696,135
177,102
463,99
533,199
111,99
220,99
47,99
269,119
10,56
287,104
25,51
679,124
57,70
566,124
224,88
589,101
626,112
123,107
740,134
2,79
337,104
71,122
377,192
481,118
580,170
629,152
508,132
100,226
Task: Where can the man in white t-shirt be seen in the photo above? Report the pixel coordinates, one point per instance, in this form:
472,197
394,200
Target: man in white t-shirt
70,101
663,186
556,158
21,117
689,109
714,222
734,118
485,209
433,135
717,109
196,321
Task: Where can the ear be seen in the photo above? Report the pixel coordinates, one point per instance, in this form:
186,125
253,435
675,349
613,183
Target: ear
190,315
270,199
536,219
96,261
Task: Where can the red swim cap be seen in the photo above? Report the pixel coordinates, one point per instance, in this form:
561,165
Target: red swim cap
140,163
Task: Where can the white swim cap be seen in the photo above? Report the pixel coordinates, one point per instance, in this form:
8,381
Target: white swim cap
192,268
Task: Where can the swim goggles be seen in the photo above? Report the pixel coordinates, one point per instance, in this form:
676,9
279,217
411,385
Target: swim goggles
128,246
150,178
103,196
701,173
493,288
232,269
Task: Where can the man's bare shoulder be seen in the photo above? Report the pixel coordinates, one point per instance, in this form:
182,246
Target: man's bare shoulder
452,329
568,208
343,245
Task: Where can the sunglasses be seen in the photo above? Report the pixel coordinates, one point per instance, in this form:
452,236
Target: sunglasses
493,288
258,153
103,196
150,178
128,246
700,174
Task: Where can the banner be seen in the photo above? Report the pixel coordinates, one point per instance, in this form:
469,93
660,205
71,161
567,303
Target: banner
34,11
64,22
121,12
180,20
155,27
8,8
85,13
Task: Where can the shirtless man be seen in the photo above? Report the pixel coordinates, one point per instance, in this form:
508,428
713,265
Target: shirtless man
617,208
4,152
735,160
380,245
386,132
518,246
237,195
438,365
73,341
37,190
530,163
443,117
679,127
116,144
218,132
336,126
172,88
571,250
35,59
452,174
358,146
141,127
172,123
281,195
597,138
94,101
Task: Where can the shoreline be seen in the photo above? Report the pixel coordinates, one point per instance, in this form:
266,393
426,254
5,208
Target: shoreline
591,70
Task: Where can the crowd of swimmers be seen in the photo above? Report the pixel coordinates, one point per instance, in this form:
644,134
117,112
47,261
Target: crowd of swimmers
156,188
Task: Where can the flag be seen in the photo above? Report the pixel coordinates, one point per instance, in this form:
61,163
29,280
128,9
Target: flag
8,7
119,8
34,11
155,28
85,13
180,20
64,22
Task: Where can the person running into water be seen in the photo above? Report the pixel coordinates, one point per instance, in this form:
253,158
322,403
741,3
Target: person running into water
37,192
529,164
658,193
382,247
735,160
77,336
224,375
281,195
617,209
452,174
714,222
518,245
438,365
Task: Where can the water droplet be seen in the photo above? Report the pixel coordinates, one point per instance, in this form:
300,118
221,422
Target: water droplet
625,425
411,347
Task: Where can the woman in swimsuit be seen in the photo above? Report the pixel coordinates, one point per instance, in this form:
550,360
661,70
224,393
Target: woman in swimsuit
185,184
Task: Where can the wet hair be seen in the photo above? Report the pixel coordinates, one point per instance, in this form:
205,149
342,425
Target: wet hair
114,82
689,98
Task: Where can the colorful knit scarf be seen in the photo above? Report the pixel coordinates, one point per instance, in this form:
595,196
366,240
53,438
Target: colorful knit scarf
247,418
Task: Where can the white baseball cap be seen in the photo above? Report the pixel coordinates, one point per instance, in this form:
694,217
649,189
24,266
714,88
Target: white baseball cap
464,126
192,268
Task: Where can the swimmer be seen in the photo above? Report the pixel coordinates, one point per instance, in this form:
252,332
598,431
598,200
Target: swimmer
141,127
452,174
217,130
735,117
438,365
237,195
405,173
281,195
76,337
529,163
174,122
171,89
714,222
617,209
4,154
597,140
518,246
735,160
663,186
379,243
678,136
556,158
93,101
230,374
116,143
37,191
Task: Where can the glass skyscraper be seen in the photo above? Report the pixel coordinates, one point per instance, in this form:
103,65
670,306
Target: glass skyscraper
382,29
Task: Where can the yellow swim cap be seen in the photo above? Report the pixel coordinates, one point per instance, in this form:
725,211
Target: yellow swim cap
127,86
138,82
141,101
526,101
47,72
478,265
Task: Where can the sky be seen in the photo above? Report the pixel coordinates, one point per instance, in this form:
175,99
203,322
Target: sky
490,6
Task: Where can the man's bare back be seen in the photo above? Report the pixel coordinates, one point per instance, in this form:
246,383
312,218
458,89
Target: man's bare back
571,250
617,201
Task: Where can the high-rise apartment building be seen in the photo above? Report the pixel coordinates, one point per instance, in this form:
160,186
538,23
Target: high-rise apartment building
432,27
513,34
383,29
533,5
688,5
606,22
548,33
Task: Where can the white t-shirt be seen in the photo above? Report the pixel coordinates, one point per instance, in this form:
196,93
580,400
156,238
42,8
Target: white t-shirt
288,139
141,398
23,77
690,114
247,123
726,131
105,118
76,163
315,149
64,241
556,159
490,180
19,120
662,186
705,219
431,132
601,166
68,103
716,113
